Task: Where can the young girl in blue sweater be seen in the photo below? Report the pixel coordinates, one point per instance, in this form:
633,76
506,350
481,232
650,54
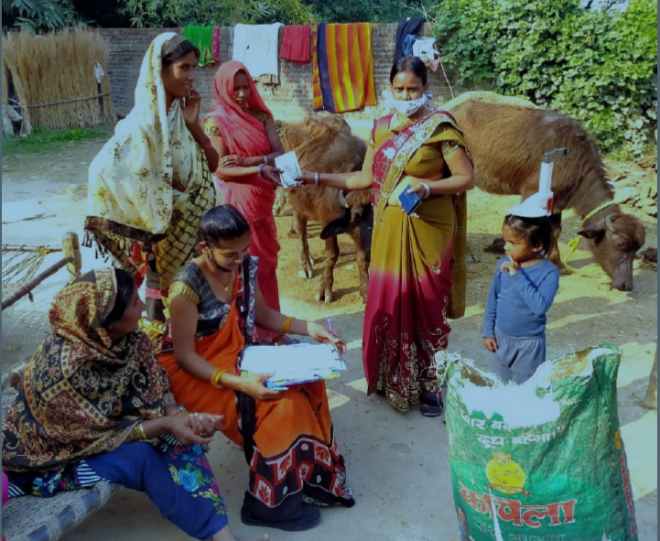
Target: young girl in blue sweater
523,288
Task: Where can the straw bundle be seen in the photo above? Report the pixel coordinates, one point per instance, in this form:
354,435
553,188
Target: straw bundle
52,72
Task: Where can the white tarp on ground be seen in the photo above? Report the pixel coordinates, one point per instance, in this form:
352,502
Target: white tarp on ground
24,210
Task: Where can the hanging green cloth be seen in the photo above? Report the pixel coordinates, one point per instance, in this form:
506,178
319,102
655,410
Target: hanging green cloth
207,40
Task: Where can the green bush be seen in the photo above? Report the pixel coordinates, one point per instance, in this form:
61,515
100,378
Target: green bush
599,67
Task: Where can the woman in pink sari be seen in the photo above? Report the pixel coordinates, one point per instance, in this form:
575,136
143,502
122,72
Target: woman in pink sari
242,131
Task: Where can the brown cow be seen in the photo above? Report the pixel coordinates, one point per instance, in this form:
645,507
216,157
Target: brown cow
507,143
325,144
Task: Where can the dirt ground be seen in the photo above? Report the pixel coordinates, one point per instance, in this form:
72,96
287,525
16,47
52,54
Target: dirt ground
377,441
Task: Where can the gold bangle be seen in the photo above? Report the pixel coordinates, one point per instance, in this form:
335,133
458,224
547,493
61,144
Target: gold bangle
287,325
138,434
215,378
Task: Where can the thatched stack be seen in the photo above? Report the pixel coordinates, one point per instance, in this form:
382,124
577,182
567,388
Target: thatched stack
58,67
636,183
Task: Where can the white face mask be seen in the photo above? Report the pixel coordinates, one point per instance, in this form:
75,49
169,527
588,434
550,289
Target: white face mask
407,108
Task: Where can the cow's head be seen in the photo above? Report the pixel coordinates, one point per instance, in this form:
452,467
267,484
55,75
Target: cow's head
356,216
614,239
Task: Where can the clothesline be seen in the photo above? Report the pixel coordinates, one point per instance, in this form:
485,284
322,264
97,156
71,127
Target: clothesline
342,56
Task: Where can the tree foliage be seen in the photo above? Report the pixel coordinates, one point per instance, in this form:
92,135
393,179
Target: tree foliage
36,15
168,13
159,13
599,67
349,11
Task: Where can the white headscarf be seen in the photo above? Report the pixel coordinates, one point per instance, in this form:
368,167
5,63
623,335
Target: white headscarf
130,197
130,180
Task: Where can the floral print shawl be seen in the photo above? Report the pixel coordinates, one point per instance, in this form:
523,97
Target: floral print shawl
81,393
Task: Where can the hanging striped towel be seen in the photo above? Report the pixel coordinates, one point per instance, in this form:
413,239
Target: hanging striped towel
343,67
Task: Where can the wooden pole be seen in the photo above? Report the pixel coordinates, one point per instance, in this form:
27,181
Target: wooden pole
101,104
651,399
27,288
27,249
62,102
71,248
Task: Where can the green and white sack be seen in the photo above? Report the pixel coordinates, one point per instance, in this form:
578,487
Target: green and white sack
542,461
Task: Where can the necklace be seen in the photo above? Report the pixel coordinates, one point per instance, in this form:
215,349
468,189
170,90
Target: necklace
229,282
213,263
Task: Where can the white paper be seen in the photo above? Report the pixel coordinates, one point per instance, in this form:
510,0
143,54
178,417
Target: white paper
297,362
288,163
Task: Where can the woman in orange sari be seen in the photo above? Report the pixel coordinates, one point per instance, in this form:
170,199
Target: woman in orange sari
417,271
242,131
287,436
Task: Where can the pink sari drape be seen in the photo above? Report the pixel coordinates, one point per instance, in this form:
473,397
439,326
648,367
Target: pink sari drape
246,136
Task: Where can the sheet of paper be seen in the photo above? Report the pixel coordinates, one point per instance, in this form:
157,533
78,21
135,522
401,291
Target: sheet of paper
288,163
299,362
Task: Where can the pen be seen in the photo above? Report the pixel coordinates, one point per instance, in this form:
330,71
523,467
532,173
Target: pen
329,319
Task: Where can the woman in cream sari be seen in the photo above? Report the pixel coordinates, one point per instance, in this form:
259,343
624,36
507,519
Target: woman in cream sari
152,182
417,271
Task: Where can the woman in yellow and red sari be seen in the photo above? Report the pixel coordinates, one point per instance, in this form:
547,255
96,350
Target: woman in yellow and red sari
417,271
287,436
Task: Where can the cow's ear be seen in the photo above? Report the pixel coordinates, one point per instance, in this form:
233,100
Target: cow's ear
592,233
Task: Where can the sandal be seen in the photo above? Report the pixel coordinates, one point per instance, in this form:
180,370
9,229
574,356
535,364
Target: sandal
430,404
309,518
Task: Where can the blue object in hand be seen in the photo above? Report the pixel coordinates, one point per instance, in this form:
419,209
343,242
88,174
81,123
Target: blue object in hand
410,202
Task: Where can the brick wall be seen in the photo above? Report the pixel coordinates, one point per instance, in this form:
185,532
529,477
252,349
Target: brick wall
290,101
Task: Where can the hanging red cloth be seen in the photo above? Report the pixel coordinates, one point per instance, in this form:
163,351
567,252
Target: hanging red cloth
296,44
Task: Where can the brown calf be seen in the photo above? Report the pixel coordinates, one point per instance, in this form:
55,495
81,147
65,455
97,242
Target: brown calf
325,144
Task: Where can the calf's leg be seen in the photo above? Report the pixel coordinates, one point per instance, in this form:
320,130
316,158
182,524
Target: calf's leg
306,270
325,293
362,262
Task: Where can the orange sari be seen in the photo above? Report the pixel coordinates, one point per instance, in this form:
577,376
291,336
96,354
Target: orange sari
289,442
